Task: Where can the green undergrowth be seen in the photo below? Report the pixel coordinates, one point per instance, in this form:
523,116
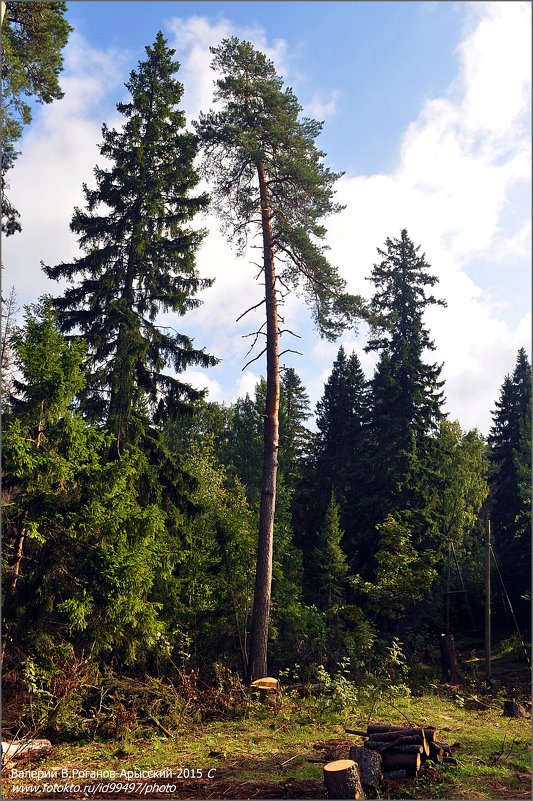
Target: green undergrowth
269,745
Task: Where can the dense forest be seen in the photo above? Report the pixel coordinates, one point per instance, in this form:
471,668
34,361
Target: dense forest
137,513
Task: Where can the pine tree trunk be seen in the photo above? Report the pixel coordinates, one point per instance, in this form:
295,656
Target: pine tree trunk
257,663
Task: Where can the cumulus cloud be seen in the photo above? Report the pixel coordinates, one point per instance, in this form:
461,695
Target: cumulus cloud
192,37
58,154
322,106
461,165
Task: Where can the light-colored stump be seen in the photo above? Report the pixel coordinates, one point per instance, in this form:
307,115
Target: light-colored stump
369,764
267,687
342,779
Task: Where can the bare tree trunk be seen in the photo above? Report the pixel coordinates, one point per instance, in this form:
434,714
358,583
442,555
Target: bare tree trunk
257,662
19,550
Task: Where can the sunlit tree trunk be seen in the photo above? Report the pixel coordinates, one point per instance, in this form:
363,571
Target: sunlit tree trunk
257,662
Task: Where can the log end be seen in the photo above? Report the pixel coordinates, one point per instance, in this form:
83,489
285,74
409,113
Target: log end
342,780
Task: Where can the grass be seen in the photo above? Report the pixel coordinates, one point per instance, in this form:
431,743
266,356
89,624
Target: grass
282,748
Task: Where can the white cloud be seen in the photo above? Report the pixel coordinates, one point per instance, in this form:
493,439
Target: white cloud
192,37
322,106
58,154
460,164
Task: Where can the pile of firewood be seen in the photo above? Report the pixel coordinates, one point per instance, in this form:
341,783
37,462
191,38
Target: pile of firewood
401,750
388,752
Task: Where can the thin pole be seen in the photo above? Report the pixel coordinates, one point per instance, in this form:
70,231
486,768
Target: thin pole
448,591
458,566
487,603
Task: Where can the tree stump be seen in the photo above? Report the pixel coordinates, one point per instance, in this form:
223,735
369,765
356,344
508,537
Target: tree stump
449,669
342,779
369,764
513,710
267,687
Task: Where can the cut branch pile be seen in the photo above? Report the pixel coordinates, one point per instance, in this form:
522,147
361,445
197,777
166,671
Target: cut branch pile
398,751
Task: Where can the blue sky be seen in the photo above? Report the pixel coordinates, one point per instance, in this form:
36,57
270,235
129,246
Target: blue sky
371,53
426,109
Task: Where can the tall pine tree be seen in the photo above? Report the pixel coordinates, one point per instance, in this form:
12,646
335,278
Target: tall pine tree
139,256
269,177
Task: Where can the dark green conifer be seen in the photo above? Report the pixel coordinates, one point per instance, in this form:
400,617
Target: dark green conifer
510,455
407,397
139,256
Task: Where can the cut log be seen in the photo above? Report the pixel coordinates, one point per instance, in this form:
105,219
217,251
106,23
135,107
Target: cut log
396,745
395,774
376,745
391,735
395,761
513,710
376,728
415,739
24,748
449,760
407,749
369,764
387,732
342,779
356,731
436,754
449,669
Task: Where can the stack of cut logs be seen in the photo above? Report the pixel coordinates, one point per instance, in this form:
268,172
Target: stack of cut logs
388,752
403,749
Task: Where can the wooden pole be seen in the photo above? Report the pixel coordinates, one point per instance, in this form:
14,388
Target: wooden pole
448,587
487,604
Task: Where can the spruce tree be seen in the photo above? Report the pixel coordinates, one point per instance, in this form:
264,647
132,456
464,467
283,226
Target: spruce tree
294,436
406,391
139,256
341,445
510,455
331,568
336,463
269,177
82,554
